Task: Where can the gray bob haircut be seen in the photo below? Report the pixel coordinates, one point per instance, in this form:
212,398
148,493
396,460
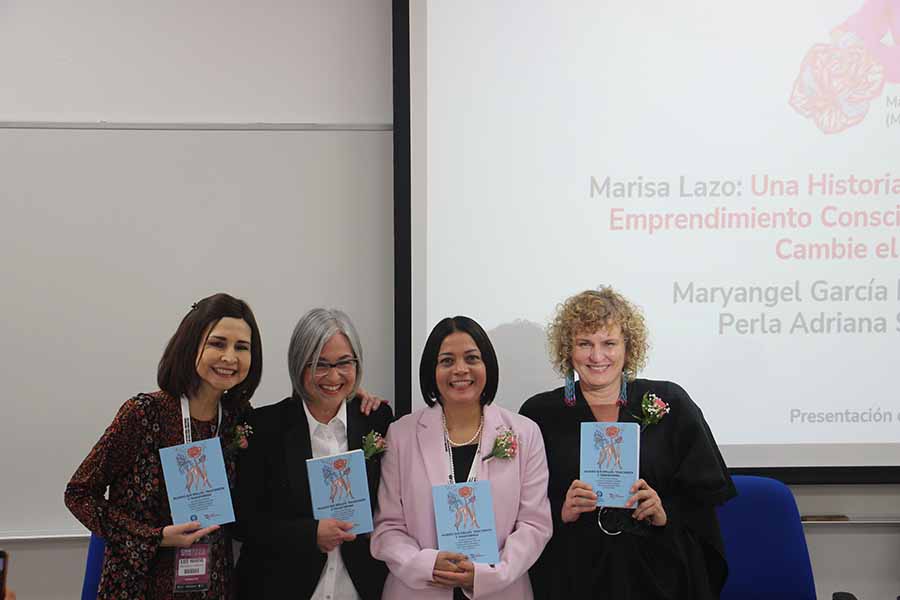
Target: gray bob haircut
312,332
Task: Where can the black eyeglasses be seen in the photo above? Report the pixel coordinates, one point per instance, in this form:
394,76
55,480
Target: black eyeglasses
323,367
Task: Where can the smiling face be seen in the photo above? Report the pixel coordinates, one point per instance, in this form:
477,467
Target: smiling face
460,373
223,359
599,357
338,373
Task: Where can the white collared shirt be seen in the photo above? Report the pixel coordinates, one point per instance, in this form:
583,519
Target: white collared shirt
334,582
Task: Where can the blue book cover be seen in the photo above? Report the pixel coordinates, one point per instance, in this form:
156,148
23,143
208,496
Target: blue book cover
464,516
196,483
610,459
340,490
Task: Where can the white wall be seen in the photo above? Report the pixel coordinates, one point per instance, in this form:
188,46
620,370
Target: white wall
46,569
280,62
307,61
861,559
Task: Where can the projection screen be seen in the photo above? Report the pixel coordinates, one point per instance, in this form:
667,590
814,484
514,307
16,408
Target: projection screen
733,168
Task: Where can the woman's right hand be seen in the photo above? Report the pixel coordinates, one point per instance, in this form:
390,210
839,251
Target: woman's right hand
579,499
446,562
184,535
331,533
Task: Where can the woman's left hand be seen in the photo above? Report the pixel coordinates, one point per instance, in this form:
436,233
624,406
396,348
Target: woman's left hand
464,578
368,402
649,506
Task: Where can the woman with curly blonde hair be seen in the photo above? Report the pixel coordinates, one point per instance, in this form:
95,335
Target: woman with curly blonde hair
666,544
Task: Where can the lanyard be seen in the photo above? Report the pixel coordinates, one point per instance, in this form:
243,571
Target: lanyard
448,453
186,421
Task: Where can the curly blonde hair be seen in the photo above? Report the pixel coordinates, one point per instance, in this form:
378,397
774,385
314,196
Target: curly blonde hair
593,310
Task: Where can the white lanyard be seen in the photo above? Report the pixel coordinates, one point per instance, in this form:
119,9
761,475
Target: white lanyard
186,420
451,472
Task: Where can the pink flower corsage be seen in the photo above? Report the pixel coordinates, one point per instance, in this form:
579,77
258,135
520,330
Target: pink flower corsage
653,409
373,443
506,444
240,437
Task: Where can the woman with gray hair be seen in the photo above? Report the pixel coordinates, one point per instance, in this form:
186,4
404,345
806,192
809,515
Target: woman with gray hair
286,552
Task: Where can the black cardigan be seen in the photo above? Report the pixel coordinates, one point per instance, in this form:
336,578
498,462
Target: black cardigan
680,460
280,557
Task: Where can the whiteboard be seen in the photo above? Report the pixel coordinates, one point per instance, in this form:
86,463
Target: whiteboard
108,236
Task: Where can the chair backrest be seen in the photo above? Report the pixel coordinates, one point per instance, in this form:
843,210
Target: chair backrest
92,568
764,543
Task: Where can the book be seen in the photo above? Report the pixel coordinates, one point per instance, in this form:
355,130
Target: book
610,459
339,489
196,483
464,517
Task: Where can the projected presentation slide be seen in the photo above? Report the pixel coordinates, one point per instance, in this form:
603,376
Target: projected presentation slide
732,168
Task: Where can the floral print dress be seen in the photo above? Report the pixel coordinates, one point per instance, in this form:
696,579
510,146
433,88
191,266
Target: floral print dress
126,461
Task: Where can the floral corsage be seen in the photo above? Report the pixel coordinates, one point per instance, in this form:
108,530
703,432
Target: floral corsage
373,444
653,409
240,437
506,444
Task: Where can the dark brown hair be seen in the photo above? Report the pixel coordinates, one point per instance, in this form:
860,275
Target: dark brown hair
177,372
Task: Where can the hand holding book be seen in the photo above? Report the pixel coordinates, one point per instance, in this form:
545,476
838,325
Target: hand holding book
185,534
647,503
579,499
331,533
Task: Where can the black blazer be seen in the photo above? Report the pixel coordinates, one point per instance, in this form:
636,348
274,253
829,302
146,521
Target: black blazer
280,557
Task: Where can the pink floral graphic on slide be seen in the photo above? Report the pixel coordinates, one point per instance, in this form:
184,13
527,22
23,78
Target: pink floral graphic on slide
839,80
836,85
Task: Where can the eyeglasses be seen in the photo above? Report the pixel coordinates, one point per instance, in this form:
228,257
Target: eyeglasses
323,367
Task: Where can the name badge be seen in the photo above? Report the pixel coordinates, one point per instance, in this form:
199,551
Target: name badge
192,569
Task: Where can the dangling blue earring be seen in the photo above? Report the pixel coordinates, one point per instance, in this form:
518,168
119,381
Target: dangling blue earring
623,390
570,388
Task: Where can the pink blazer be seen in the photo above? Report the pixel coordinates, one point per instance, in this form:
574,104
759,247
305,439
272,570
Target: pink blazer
405,536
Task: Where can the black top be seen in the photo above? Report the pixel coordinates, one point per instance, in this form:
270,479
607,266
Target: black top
280,557
462,460
680,460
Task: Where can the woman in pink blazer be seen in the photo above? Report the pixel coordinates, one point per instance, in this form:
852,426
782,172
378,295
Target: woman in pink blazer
443,443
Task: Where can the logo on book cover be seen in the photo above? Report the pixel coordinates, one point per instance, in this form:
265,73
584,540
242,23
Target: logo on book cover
192,464
461,503
608,443
337,475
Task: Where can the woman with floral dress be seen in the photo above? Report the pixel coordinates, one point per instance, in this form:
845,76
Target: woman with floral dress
210,368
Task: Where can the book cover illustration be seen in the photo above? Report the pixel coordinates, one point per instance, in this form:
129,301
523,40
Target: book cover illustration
464,517
610,458
196,483
339,489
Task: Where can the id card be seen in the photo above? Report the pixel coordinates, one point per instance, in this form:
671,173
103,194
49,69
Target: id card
192,569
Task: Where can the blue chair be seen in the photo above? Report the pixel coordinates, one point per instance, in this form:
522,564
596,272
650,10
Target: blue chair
92,568
764,543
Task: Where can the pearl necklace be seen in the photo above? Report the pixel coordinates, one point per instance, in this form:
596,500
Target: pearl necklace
460,444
